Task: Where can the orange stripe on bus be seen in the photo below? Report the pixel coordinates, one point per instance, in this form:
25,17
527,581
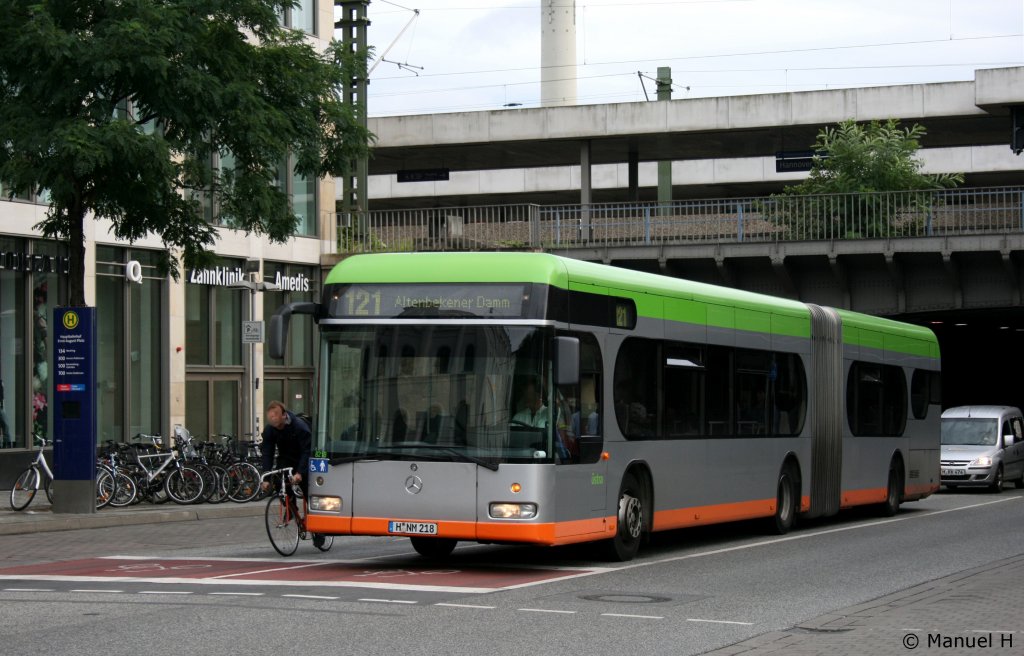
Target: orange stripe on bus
548,533
725,512
852,498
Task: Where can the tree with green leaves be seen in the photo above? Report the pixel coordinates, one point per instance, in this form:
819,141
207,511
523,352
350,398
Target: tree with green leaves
866,160
115,108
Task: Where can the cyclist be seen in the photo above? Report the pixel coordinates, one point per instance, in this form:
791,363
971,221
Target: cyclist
290,437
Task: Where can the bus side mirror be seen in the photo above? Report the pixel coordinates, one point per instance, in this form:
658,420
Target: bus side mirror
277,329
567,359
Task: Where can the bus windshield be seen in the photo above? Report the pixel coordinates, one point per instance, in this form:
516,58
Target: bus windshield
468,393
970,432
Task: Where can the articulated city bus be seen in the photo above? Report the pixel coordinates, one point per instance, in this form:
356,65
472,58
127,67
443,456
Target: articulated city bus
530,398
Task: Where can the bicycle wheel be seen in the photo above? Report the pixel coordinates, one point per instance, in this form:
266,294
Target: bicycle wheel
125,490
24,488
104,487
184,485
220,492
48,487
282,526
243,482
209,480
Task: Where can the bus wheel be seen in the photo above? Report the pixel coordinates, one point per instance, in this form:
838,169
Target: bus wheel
785,502
630,521
894,490
433,547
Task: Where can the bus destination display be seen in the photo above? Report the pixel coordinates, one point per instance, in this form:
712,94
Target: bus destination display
384,301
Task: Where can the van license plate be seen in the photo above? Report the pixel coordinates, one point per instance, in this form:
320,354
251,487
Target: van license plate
953,472
413,528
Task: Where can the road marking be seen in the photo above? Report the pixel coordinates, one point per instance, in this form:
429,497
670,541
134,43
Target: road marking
272,569
390,601
169,592
301,596
28,589
236,594
800,536
546,610
693,619
105,591
466,606
639,617
984,631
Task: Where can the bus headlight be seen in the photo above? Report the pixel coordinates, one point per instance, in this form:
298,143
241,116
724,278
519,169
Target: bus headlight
983,461
325,504
513,510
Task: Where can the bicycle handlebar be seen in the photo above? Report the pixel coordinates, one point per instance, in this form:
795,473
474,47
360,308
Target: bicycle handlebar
272,472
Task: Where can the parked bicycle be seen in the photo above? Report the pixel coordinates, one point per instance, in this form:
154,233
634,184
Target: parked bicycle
158,470
39,474
285,524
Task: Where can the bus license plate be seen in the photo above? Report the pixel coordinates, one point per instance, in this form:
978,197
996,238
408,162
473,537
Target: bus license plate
953,472
413,528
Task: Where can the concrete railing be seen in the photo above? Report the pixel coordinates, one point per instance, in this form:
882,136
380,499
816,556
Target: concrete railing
732,220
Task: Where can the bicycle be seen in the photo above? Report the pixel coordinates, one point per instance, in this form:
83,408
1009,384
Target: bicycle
39,473
285,525
182,484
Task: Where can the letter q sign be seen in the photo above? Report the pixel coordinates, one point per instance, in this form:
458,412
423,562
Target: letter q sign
133,271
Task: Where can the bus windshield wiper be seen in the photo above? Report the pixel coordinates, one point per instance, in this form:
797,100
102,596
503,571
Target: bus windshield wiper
465,457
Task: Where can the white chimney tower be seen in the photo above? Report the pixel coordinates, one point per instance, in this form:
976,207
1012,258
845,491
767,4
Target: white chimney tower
558,53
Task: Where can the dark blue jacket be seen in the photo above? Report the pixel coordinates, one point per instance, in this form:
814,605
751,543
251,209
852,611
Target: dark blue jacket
292,444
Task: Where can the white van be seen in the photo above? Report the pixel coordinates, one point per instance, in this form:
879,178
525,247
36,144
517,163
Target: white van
982,445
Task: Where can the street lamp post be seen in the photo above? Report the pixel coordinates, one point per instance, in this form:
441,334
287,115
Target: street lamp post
253,287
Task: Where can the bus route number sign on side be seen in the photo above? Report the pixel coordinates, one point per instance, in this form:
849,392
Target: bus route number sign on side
252,332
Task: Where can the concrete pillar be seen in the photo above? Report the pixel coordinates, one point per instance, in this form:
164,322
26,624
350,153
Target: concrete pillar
664,168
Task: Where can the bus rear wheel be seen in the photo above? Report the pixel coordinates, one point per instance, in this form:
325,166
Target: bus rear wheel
894,490
631,521
433,547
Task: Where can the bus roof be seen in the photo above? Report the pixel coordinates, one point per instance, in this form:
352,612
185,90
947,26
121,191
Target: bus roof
543,268
644,288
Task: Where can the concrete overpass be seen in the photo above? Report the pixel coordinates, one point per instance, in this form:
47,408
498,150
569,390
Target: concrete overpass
538,168
721,147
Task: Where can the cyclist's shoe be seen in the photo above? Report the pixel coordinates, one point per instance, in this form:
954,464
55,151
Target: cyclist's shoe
318,541
303,535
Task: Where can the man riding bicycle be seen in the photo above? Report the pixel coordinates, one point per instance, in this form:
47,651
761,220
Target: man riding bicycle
290,437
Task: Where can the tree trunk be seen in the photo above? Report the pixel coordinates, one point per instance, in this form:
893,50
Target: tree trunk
76,255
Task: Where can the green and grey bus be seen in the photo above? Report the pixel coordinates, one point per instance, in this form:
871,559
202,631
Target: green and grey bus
531,398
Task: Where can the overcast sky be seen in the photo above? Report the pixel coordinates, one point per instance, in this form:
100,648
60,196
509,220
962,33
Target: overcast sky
469,55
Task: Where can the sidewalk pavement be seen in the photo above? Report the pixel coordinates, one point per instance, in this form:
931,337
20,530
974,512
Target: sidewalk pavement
970,612
39,518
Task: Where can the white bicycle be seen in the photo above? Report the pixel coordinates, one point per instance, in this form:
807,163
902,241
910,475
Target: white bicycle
39,475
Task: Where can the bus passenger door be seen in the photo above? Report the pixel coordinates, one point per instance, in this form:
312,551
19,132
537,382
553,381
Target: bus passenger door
580,472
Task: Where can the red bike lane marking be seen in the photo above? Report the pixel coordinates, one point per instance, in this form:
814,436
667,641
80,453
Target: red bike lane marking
303,573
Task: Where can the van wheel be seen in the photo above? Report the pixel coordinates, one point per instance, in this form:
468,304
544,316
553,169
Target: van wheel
630,526
997,485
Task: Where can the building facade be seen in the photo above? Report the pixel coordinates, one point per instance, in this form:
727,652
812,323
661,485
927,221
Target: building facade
168,351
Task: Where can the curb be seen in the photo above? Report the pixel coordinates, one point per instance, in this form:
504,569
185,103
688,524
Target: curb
46,521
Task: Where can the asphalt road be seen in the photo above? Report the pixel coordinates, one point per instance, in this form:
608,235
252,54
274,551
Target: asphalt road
689,591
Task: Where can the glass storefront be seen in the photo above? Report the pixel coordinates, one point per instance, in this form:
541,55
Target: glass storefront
130,329
290,380
33,280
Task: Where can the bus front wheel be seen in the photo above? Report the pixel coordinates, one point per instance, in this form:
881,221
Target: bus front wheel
433,547
631,521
